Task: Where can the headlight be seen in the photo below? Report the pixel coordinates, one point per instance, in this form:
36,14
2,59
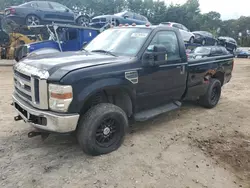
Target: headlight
60,97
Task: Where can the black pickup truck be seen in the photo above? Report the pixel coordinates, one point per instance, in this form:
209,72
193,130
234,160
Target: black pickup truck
125,73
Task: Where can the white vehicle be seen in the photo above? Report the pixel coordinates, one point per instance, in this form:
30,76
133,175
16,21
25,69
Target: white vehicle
186,34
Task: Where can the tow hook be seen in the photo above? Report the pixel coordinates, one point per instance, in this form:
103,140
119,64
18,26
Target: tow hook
32,134
18,118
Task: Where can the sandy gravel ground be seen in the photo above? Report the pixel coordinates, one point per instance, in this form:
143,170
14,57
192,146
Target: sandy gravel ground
189,148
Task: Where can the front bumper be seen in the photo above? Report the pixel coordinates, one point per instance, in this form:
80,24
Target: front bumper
45,120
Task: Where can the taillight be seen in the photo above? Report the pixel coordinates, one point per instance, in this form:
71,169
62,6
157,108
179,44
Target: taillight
10,11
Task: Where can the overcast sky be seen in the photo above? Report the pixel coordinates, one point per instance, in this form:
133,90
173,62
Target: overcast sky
227,8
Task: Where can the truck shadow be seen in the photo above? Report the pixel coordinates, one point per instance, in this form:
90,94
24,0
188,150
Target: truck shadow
66,147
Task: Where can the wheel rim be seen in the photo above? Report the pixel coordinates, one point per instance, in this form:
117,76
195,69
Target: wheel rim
32,20
83,21
107,132
215,94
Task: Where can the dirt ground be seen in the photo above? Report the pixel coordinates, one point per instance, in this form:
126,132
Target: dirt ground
189,148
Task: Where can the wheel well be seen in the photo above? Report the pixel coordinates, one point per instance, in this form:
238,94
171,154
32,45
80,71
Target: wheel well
116,96
220,77
83,16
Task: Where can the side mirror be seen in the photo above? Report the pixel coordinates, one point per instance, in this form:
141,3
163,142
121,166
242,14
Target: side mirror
155,55
125,17
66,10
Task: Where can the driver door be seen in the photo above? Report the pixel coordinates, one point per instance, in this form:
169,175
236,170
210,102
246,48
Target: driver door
166,83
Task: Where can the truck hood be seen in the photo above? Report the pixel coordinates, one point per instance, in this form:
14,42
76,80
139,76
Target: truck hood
64,62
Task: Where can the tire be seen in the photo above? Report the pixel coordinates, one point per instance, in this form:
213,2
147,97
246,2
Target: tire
32,20
212,97
95,128
203,42
83,21
191,40
234,50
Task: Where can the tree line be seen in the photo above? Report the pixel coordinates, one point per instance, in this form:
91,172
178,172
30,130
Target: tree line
159,11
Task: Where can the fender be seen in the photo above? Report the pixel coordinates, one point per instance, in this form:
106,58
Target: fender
103,84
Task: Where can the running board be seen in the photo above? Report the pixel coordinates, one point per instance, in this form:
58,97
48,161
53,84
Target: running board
149,114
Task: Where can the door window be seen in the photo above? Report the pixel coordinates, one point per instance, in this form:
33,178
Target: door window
58,7
129,15
177,26
72,35
137,17
43,5
169,40
184,28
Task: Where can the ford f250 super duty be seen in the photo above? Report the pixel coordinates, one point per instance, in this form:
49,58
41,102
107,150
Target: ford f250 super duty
125,73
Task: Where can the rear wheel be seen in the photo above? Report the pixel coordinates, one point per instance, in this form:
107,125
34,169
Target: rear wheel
212,97
32,20
101,130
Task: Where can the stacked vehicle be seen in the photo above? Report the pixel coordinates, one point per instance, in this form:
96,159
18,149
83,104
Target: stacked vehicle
125,17
57,38
44,12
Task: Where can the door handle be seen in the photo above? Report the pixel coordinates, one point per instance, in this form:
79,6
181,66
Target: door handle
182,69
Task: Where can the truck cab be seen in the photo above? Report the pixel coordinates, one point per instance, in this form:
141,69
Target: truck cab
125,73
57,38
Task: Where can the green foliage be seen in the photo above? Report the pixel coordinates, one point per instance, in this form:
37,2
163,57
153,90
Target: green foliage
157,11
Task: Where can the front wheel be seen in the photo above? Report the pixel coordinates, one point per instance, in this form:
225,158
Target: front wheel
83,21
191,41
212,97
101,130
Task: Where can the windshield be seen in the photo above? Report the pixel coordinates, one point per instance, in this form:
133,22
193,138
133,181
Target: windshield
125,41
202,50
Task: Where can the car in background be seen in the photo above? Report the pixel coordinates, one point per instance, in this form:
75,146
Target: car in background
207,51
242,53
229,43
42,12
125,17
186,34
204,38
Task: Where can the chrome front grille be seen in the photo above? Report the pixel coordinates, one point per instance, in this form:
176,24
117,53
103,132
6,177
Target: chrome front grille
30,86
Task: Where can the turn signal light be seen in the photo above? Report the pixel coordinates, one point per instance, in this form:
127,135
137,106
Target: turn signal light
61,95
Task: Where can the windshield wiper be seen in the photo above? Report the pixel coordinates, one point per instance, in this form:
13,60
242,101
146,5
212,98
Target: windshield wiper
104,51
